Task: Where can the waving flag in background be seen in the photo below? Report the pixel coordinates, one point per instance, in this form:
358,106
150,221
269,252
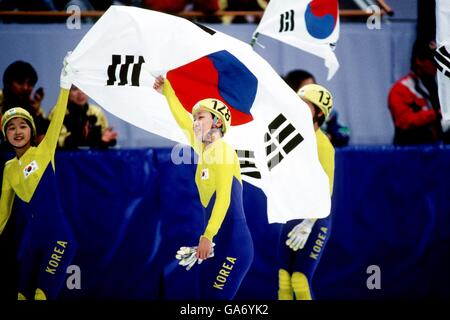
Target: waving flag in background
116,64
310,25
442,55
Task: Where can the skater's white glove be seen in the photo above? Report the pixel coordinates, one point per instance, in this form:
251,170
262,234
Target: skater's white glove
299,234
188,256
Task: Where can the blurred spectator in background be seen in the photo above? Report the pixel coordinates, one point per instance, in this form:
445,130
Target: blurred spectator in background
339,135
244,5
414,102
50,5
19,79
164,5
88,5
426,20
208,7
85,125
299,78
29,5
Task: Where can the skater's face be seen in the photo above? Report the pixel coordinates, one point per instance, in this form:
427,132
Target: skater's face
203,122
18,133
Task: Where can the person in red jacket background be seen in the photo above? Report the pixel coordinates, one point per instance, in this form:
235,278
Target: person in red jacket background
414,101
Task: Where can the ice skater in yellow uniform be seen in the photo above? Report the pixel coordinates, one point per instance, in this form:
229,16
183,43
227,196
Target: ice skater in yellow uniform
303,242
218,179
32,221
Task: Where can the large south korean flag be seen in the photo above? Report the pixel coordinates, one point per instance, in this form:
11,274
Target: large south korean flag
116,64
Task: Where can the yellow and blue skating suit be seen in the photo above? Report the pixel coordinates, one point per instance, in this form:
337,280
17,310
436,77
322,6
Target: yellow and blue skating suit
31,215
307,259
218,179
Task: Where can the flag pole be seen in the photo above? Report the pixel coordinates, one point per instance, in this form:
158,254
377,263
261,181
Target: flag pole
254,38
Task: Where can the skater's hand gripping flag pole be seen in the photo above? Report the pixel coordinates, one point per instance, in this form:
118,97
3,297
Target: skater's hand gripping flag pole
116,64
310,25
66,77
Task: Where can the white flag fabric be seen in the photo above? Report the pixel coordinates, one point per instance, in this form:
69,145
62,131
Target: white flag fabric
442,55
116,64
310,25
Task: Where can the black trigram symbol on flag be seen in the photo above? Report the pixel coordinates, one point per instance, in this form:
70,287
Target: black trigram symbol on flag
281,139
442,57
247,163
124,67
287,21
205,28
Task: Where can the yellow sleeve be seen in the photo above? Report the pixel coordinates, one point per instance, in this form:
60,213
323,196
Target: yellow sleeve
326,157
180,114
53,132
224,173
63,134
6,202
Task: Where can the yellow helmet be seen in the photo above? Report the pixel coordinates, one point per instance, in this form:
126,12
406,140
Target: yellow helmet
17,113
319,96
217,108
